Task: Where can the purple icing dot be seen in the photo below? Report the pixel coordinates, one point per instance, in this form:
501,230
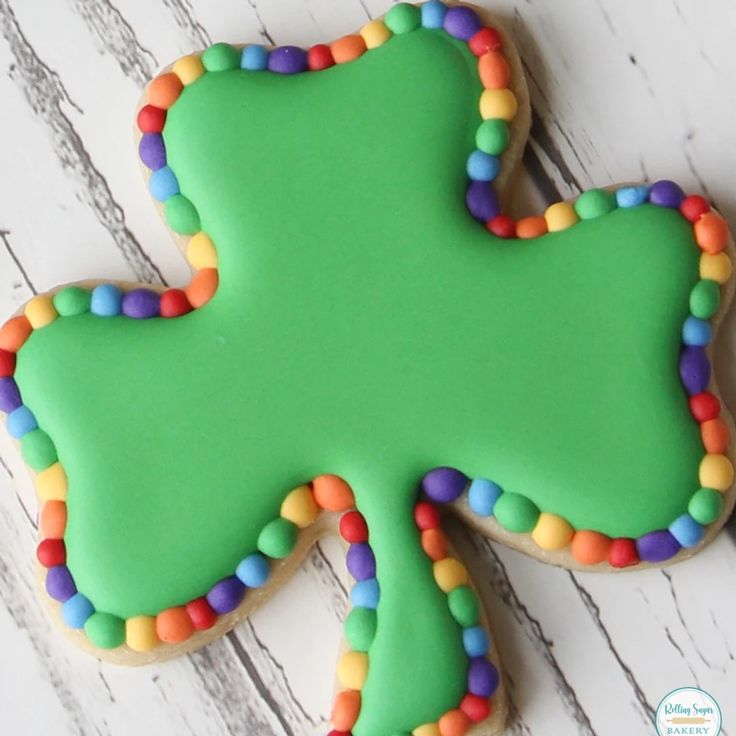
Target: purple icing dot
288,60
60,584
482,677
694,369
141,304
461,22
9,395
444,485
666,193
657,546
152,151
226,595
482,201
361,562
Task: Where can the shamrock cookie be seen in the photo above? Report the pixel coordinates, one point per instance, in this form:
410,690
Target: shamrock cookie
369,341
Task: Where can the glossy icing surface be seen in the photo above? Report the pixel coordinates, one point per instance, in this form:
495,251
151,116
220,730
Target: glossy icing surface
364,325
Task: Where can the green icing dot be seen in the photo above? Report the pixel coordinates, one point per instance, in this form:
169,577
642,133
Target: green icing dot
706,505
221,57
105,630
492,136
181,215
516,512
38,449
594,203
277,539
360,628
71,301
705,298
403,18
464,606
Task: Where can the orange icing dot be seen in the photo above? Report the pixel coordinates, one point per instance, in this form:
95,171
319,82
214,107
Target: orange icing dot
711,233
345,710
332,493
454,723
202,287
494,71
590,548
52,520
174,625
531,227
164,91
348,48
434,544
715,436
14,333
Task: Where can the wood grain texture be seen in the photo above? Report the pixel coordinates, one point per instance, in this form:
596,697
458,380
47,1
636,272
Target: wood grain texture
621,91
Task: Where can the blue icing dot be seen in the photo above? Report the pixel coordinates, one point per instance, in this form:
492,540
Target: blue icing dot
21,421
475,641
696,331
482,166
687,531
632,196
433,14
76,610
365,594
482,496
253,571
254,58
107,300
163,184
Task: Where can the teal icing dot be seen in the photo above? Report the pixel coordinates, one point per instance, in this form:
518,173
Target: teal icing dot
687,531
107,301
253,571
632,196
254,58
482,166
696,332
163,184
482,496
433,14
366,594
76,610
493,136
20,422
476,641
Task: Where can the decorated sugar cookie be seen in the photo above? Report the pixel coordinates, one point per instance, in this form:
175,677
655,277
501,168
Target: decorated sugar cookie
369,342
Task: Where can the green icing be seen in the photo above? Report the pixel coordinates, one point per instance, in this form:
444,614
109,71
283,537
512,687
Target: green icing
464,606
105,630
365,326
594,203
38,450
220,57
706,505
492,136
516,513
277,539
71,301
360,628
181,215
403,18
705,298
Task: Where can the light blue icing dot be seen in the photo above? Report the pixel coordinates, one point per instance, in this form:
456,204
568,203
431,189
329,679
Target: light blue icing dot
483,166
632,196
21,421
687,531
365,594
433,14
163,184
482,496
475,641
253,571
106,301
254,58
76,610
696,331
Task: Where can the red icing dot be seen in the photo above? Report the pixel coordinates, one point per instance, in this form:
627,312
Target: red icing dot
487,39
704,406
623,553
151,119
320,57
475,707
353,528
502,226
174,303
51,552
693,207
339,733
426,515
7,363
201,613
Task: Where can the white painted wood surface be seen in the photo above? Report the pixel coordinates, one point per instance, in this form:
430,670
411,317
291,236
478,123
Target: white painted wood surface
622,91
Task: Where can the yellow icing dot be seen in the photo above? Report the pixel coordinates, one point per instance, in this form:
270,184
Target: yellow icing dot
51,483
352,670
375,34
450,573
560,216
40,311
716,472
140,633
498,103
552,532
299,507
189,69
716,267
428,729
201,252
